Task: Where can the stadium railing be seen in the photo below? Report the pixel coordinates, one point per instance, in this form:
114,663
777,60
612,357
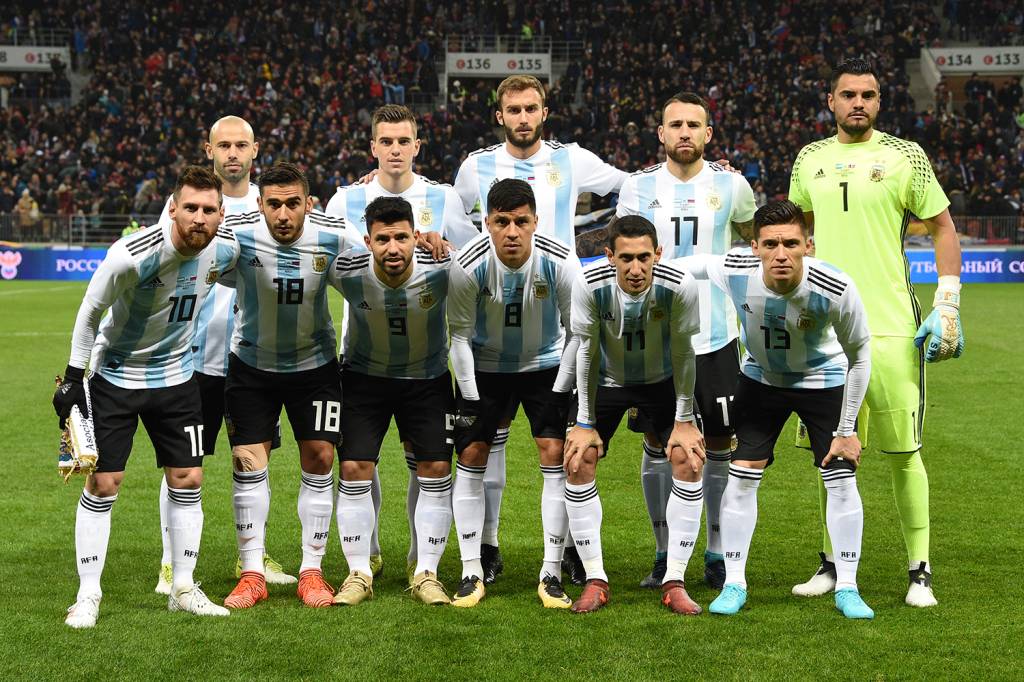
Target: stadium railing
36,37
561,50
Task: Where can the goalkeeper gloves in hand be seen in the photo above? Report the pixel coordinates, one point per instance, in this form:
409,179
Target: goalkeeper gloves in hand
466,413
942,329
70,392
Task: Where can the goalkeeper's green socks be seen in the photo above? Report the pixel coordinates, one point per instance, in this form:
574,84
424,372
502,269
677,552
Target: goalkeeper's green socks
910,487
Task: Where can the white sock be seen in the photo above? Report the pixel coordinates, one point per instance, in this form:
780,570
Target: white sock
716,476
683,513
844,516
316,503
739,517
251,500
656,481
412,494
494,486
433,521
185,516
356,518
554,519
165,529
583,506
375,498
92,532
468,506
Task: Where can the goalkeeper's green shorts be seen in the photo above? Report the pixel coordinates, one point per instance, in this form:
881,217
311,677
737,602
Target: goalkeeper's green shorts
895,398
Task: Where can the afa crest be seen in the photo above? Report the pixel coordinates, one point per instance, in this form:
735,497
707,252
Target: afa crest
877,172
212,276
805,322
541,289
657,314
713,200
553,175
426,216
320,263
427,299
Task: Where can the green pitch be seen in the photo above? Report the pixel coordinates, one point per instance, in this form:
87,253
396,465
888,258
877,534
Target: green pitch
972,438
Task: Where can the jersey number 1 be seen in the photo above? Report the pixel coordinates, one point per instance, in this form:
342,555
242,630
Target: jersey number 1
846,198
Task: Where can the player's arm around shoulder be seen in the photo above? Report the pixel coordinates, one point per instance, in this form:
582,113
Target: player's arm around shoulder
594,174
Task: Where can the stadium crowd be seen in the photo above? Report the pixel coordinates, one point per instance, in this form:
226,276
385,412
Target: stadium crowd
160,76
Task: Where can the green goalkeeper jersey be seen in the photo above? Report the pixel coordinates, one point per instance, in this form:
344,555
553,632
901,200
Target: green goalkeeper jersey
862,196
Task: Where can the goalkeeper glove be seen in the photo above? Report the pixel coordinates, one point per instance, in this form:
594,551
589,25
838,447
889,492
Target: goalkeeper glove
466,413
70,392
942,328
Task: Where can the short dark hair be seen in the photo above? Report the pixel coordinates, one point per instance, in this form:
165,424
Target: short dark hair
783,212
631,226
392,113
855,66
388,211
688,98
284,173
510,194
198,177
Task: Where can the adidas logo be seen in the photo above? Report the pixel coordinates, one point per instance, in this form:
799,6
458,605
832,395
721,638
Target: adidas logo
154,283
364,306
607,315
654,204
820,174
746,309
255,262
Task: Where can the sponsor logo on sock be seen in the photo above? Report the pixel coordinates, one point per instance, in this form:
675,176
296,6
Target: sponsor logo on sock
191,554
686,543
555,541
243,526
469,536
321,536
351,538
88,559
734,555
582,543
437,541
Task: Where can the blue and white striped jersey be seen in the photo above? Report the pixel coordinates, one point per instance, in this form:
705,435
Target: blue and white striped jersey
514,319
401,332
283,322
216,319
694,217
635,333
794,340
435,208
558,173
154,294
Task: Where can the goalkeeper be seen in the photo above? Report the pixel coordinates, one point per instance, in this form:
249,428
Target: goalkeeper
862,186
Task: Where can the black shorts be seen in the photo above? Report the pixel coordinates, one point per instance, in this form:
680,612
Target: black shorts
171,415
714,391
253,399
423,411
501,394
763,410
656,402
211,390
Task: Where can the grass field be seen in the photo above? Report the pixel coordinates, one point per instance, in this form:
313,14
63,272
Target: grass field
973,437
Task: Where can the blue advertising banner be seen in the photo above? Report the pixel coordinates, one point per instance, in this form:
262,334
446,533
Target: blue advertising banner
990,265
73,263
49,263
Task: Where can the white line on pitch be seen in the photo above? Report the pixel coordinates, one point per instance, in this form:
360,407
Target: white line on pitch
35,291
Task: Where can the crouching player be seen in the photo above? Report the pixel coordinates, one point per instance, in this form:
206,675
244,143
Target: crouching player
511,292
634,318
154,282
807,342
394,364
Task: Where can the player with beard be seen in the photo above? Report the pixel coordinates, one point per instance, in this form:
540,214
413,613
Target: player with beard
696,207
232,148
558,173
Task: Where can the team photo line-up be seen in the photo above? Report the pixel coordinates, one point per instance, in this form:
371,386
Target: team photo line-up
219,314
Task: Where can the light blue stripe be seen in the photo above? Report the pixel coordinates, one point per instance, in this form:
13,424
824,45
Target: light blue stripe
737,285
436,201
436,361
360,352
288,267
773,308
663,299
683,241
203,320
485,174
134,328
646,192
162,355
396,305
323,326
550,322
601,298
565,230
483,299
720,244
248,283
833,374
513,292
355,207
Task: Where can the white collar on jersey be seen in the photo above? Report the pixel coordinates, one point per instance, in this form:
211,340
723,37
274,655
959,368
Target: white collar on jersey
633,310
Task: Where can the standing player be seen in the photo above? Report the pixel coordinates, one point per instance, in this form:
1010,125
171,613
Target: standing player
511,291
807,342
283,354
232,148
395,365
634,318
153,282
558,174
859,189
696,207
436,210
